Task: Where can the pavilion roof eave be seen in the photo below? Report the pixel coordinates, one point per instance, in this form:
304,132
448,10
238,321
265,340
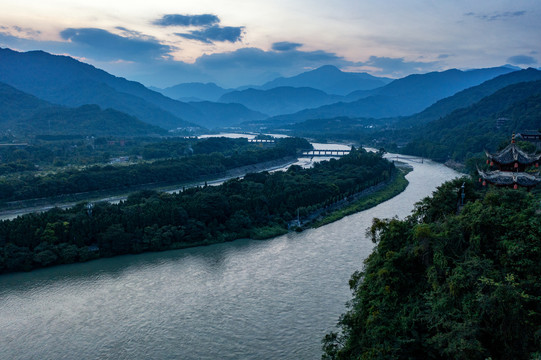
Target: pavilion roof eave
509,178
512,153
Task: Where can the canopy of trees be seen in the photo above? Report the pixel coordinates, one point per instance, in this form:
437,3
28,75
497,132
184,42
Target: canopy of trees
201,159
442,285
258,206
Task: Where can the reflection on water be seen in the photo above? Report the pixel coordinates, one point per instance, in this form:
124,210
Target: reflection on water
247,299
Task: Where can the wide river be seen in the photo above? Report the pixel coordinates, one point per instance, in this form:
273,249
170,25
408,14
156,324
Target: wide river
272,299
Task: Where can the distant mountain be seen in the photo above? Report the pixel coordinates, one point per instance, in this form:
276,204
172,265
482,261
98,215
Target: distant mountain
66,81
24,114
401,97
470,96
187,91
331,80
219,115
280,100
469,130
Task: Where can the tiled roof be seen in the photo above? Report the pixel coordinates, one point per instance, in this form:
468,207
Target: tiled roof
511,154
510,178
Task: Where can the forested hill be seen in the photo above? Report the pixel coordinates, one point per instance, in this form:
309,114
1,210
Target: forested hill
467,131
444,286
25,115
470,96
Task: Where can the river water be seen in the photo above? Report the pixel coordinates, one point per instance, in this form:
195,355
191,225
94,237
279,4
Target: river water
272,299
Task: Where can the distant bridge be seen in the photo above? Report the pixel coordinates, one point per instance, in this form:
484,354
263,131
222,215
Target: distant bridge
266,141
324,153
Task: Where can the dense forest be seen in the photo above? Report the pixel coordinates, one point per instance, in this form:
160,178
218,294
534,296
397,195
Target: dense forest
194,160
448,285
466,132
259,206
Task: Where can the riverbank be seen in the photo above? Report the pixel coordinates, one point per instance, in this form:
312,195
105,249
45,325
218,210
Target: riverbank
366,199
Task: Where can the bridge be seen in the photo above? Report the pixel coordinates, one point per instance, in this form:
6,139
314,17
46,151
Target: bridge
324,153
265,141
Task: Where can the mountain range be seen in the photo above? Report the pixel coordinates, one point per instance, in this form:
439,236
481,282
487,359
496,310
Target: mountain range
402,97
470,96
59,88
66,81
330,80
471,129
280,100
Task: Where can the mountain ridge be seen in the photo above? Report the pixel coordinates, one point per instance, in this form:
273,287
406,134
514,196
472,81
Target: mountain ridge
58,79
402,97
329,79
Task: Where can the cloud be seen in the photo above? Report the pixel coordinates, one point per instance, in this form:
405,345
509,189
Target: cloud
215,33
104,45
20,31
142,58
256,66
522,60
398,67
497,15
285,46
187,20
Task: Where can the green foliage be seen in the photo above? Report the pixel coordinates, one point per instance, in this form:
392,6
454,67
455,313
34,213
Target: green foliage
398,184
189,161
442,285
258,206
467,131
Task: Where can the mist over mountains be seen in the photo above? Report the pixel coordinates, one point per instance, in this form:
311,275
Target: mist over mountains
56,89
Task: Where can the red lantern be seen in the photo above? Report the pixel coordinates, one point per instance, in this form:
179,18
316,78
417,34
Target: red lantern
515,187
484,183
491,163
536,165
480,180
516,165
487,161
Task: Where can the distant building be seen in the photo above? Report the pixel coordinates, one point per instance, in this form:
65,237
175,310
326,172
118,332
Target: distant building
501,121
532,136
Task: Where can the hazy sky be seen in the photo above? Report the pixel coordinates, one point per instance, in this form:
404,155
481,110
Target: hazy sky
237,42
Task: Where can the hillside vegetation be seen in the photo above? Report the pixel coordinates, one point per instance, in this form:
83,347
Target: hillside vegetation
467,131
442,285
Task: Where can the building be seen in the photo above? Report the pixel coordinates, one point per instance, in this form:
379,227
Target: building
514,168
532,136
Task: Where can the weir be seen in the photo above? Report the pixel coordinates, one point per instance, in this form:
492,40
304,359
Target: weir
324,153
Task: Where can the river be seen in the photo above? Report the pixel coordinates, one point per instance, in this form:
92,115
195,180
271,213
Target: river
272,299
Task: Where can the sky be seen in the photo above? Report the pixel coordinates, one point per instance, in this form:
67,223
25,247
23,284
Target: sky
241,42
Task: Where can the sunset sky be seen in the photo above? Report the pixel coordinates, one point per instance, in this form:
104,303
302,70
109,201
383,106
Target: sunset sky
238,42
